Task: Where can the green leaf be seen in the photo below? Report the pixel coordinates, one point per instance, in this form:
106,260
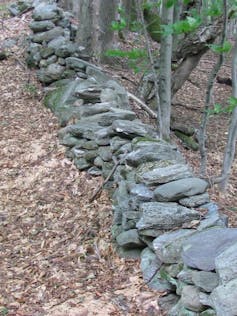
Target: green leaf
219,49
170,3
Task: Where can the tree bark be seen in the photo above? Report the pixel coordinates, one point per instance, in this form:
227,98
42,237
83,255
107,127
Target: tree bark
95,32
232,133
165,72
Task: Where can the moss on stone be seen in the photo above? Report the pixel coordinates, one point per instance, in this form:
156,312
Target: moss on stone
188,141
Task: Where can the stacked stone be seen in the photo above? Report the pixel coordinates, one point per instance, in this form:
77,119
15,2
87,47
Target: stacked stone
52,47
162,212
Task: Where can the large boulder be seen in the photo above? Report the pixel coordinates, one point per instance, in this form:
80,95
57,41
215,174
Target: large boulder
201,249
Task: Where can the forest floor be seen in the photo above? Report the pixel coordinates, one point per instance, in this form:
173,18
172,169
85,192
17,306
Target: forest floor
57,255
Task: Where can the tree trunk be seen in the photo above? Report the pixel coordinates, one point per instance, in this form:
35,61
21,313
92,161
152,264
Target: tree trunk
165,72
232,133
95,32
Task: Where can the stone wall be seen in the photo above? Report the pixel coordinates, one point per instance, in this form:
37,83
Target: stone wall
162,211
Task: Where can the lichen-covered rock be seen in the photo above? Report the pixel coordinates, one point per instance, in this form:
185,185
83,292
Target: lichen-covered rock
41,26
152,150
169,245
50,74
132,129
201,249
162,172
179,189
48,35
46,12
195,200
164,216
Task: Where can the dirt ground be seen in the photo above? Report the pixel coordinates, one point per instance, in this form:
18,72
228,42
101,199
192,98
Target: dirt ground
57,256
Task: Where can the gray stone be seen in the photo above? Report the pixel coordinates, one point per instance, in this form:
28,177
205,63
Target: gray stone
41,26
128,253
151,232
141,192
195,200
52,73
46,12
224,299
77,63
62,46
46,52
107,118
149,265
226,264
129,219
81,163
179,189
206,281
166,302
164,216
105,153
201,249
33,55
48,35
93,109
152,151
97,73
114,92
131,129
94,171
213,220
169,245
83,129
190,298
162,172
180,310
173,269
116,142
129,239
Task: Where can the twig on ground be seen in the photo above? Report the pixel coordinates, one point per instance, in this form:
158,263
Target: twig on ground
100,187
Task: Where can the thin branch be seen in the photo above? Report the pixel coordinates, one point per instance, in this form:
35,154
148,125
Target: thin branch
142,105
100,187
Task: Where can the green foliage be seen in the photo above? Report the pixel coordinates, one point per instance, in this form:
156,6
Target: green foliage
215,9
219,49
220,109
137,58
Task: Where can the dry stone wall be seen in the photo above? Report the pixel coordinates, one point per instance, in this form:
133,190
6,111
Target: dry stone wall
162,211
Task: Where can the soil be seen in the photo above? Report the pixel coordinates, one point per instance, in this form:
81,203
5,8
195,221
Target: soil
57,254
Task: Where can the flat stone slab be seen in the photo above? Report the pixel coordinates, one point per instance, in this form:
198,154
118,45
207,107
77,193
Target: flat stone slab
152,151
201,249
162,172
132,129
164,216
129,239
179,189
195,200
